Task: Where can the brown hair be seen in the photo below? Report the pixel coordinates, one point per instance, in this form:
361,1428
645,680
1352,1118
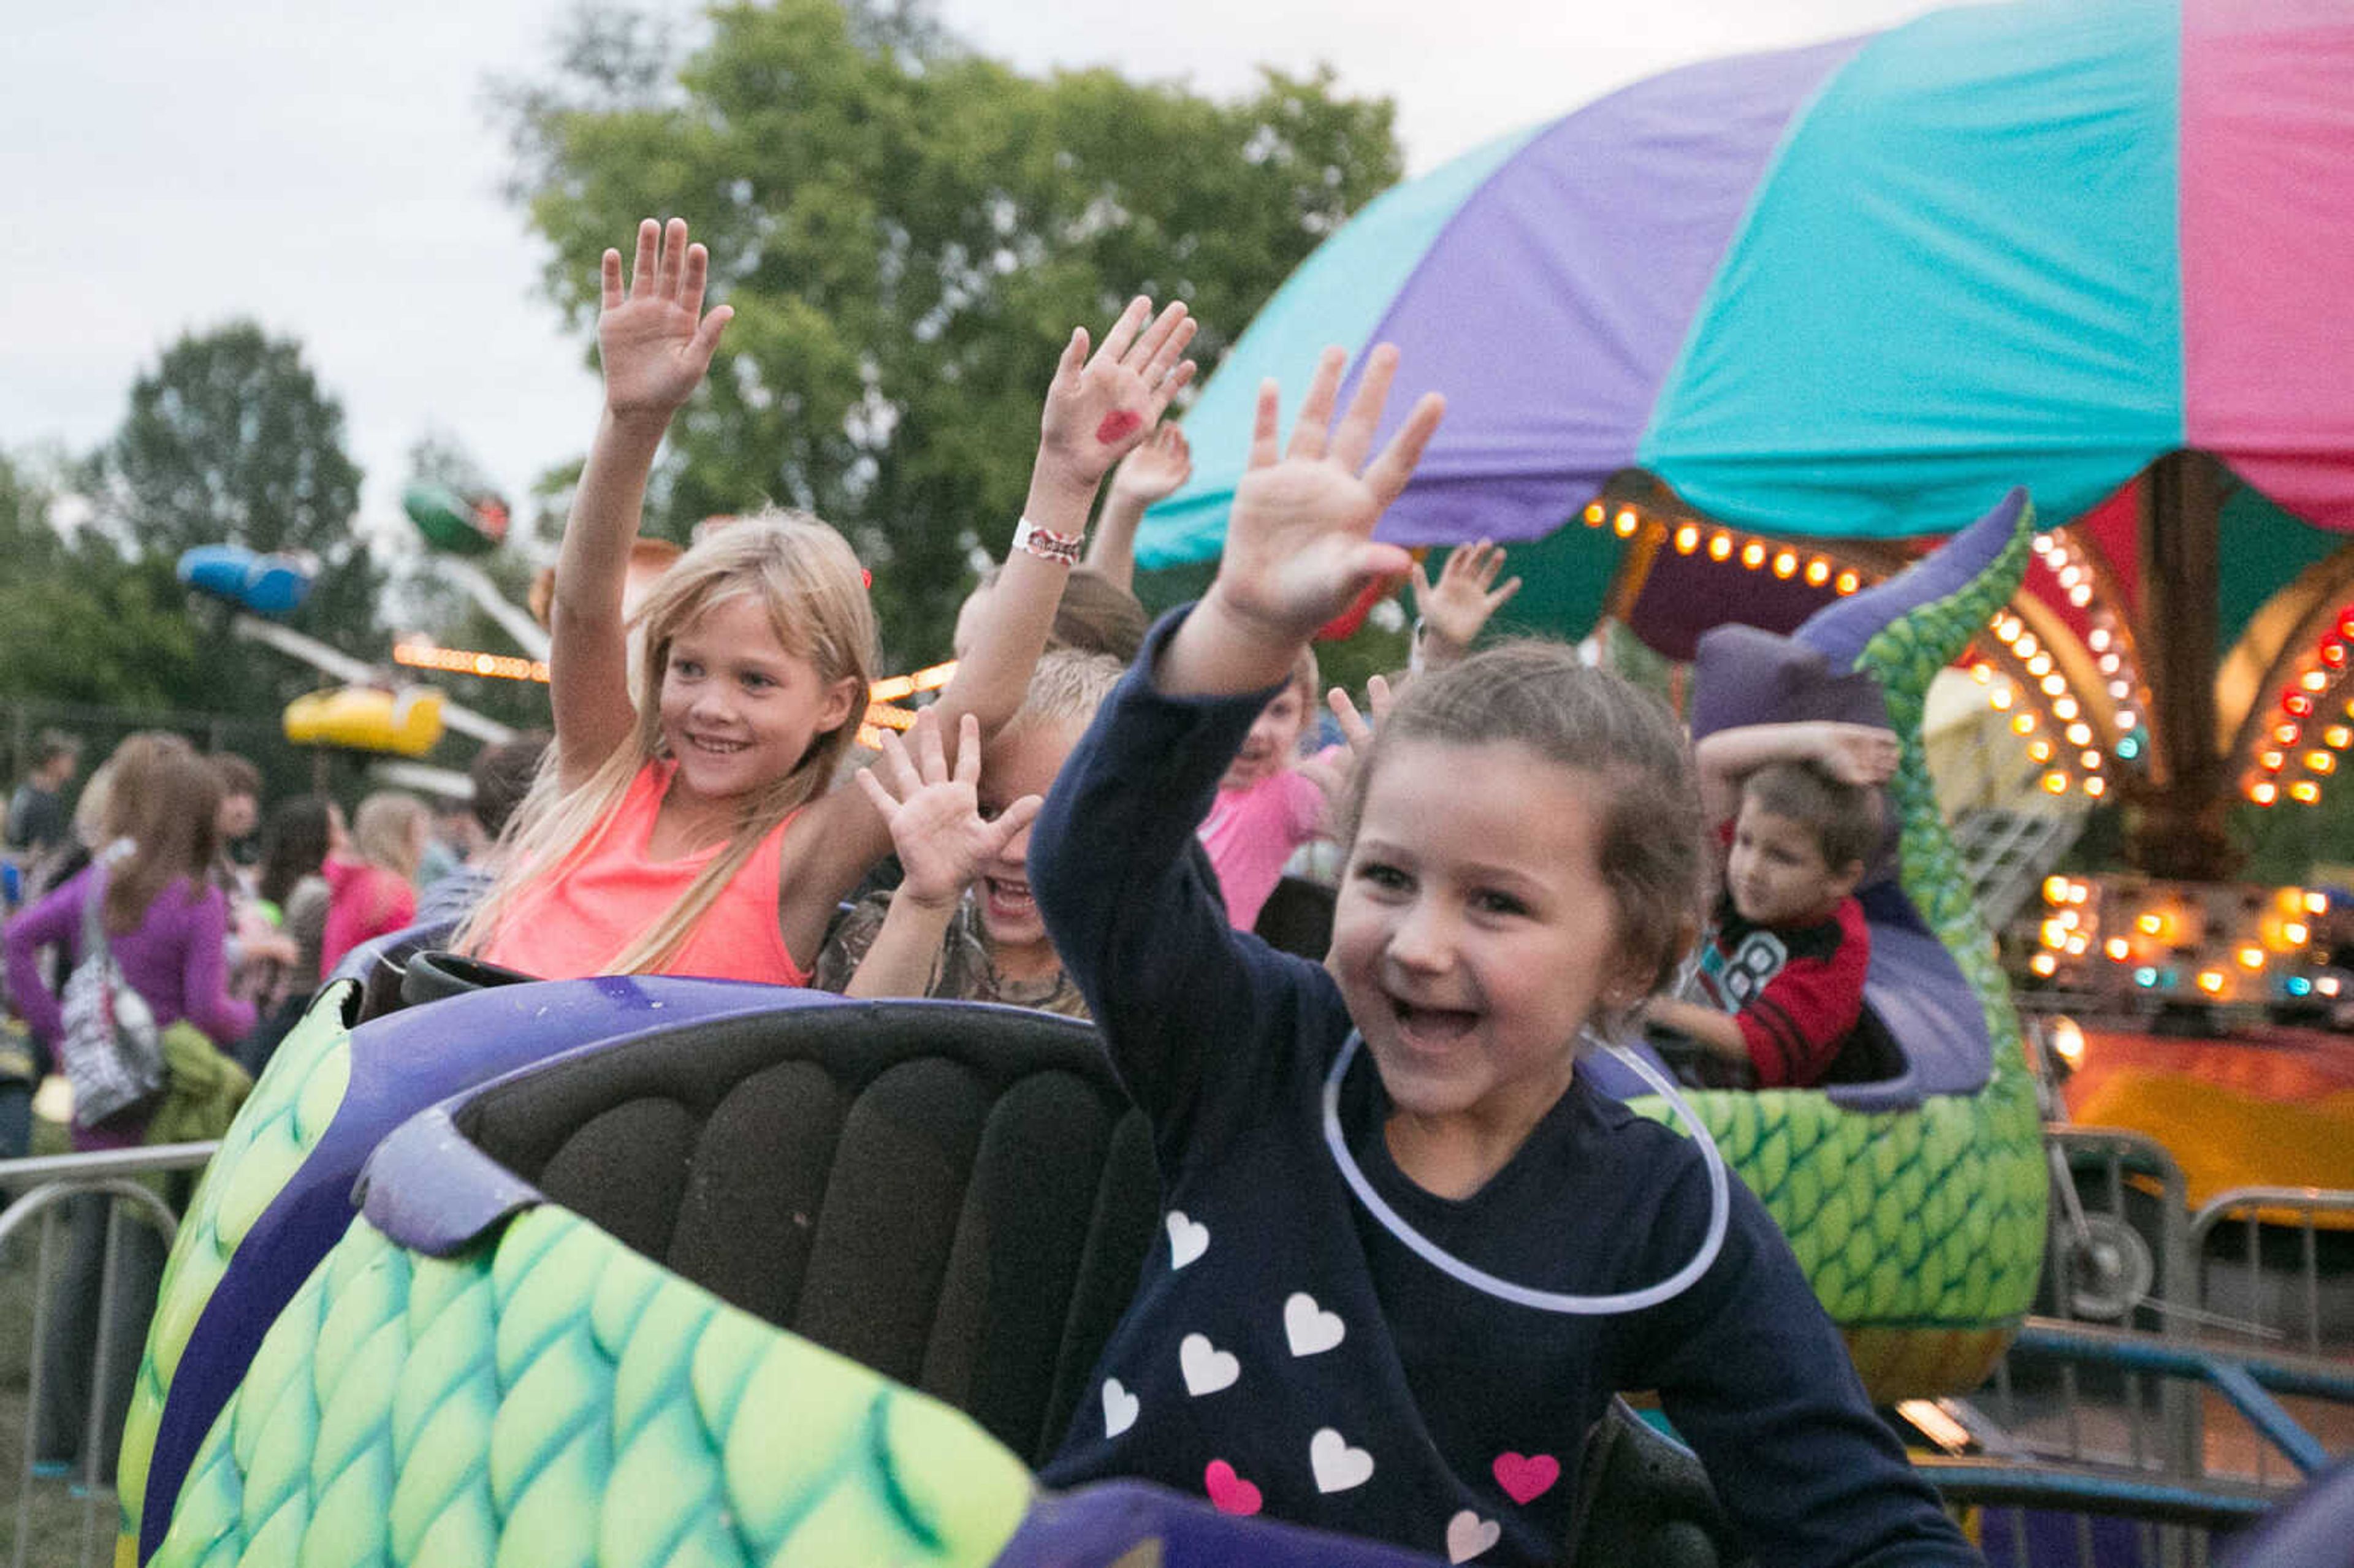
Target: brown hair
502,774
1844,818
164,800
1095,615
1538,695
805,576
239,777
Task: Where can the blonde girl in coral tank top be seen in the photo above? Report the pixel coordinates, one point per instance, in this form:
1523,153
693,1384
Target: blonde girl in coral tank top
705,826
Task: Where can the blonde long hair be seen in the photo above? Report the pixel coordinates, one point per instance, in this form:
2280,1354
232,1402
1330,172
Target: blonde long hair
806,576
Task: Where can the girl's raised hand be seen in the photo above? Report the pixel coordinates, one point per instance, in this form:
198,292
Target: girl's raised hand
934,811
1100,407
654,341
1157,469
1330,773
1459,605
1300,545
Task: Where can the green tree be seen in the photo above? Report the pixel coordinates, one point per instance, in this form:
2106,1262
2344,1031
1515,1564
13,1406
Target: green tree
909,231
231,440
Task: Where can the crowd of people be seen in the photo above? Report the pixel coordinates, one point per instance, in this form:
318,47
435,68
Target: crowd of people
1090,819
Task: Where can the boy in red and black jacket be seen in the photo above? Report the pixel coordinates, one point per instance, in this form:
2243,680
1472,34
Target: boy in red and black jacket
1783,962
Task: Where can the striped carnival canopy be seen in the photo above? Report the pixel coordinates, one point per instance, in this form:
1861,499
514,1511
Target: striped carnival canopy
1801,311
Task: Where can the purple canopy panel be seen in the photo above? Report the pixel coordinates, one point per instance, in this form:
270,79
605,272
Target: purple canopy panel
1593,263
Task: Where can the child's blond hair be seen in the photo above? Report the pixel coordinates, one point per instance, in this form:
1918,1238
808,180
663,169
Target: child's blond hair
806,577
384,831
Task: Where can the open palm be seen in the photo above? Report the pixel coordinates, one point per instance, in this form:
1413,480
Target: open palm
1300,545
934,810
654,341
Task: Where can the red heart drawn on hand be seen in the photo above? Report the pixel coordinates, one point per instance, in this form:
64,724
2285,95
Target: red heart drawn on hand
1525,1477
1229,1492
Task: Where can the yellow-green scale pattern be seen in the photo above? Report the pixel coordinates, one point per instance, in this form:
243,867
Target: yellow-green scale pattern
281,1122
550,1398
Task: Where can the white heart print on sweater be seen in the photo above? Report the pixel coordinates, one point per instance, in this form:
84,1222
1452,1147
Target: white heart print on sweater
1311,1328
1188,1239
1468,1535
1338,1467
1119,1407
1207,1369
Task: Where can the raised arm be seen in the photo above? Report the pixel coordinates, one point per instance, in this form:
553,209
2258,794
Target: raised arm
1154,472
655,344
1098,408
1300,545
1852,753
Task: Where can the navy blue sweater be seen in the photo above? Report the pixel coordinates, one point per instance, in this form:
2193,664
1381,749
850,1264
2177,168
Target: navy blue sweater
1285,1352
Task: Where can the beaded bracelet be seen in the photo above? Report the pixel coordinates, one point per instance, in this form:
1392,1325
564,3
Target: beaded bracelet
1047,545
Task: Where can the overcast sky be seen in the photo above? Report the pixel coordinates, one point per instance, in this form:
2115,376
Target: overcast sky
328,168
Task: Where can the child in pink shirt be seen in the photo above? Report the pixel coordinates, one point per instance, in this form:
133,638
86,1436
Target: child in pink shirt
1266,807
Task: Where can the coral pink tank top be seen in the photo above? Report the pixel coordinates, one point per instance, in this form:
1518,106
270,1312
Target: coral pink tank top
577,921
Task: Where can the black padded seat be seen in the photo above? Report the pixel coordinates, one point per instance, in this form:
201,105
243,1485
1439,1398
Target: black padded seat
956,1195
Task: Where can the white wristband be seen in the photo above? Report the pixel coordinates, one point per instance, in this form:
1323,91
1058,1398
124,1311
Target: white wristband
1047,545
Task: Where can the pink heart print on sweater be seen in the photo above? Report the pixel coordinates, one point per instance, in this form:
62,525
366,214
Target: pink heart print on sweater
1526,1478
1229,1493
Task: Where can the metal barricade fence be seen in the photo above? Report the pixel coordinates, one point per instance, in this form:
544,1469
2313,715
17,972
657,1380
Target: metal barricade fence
40,1188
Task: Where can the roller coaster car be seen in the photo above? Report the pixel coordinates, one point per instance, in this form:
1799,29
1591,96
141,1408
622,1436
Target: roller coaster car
406,723
687,1272
1912,1187
463,525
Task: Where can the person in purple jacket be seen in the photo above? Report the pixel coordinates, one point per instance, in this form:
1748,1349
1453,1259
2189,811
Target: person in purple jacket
165,924
1410,1252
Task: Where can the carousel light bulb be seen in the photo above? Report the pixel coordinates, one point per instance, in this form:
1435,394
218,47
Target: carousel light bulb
2295,933
2080,595
2210,981
2055,782
2297,703
2263,791
2069,920
2286,733
2250,957
1818,572
1595,512
1753,554
1982,673
1846,583
2328,985
1687,540
2044,964
2071,575
1785,565
1720,547
2304,792
2043,544
2314,680
2272,761
2128,719
2096,787
2080,735
2053,934
2089,760
2053,685
2151,924
2001,697
2026,645
2107,663
2039,665
2119,691
2320,762
2064,708
1625,524
2099,640
2333,653
2056,889
2117,948
2338,736
2316,903
2022,723
2040,752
